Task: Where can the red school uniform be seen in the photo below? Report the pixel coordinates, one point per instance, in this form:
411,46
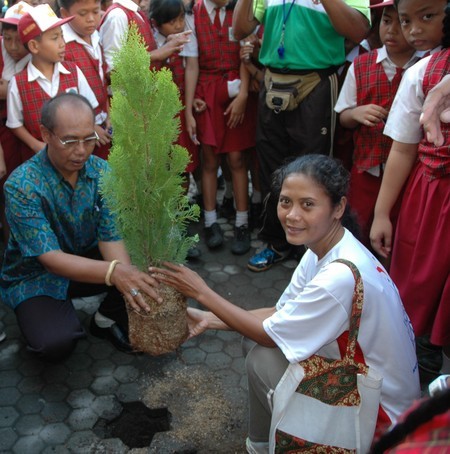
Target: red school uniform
421,252
33,97
78,54
371,146
219,63
176,64
143,26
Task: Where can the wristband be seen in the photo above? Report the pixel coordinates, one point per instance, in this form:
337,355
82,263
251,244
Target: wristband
110,271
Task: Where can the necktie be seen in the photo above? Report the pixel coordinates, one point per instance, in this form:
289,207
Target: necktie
217,23
398,76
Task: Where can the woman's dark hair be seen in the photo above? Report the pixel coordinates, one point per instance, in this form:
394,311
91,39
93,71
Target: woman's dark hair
427,410
49,109
163,11
327,172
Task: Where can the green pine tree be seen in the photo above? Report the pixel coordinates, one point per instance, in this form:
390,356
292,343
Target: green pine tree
144,188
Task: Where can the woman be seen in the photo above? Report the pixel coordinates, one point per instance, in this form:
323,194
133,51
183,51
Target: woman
313,313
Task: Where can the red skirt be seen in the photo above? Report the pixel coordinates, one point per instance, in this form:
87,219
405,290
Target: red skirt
421,255
212,126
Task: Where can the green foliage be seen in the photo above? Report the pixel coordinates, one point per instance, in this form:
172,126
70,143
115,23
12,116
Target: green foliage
144,188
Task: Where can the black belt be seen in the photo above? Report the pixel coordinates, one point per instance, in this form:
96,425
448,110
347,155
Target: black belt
325,72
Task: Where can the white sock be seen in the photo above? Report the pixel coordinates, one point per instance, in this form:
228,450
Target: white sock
103,322
210,218
241,218
256,196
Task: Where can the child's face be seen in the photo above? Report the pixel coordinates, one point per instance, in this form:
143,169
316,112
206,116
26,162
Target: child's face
13,45
51,46
391,32
421,22
220,3
87,16
174,26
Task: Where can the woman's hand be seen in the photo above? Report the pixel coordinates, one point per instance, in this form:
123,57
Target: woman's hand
129,280
197,321
183,279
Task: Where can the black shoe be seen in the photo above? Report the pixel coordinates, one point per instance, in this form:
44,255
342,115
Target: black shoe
213,236
254,215
114,334
193,252
241,241
227,210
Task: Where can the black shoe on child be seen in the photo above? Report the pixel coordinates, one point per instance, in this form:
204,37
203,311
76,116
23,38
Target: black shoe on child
241,241
213,236
193,253
114,334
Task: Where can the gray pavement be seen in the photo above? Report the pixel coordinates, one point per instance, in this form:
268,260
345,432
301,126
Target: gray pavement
63,408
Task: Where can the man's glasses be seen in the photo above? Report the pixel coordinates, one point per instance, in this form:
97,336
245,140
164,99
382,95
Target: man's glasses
72,143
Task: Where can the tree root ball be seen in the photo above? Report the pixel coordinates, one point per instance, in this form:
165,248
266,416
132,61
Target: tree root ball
164,328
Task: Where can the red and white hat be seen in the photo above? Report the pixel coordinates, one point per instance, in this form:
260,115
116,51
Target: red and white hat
16,12
381,4
37,21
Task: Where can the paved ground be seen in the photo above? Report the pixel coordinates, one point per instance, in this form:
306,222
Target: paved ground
65,408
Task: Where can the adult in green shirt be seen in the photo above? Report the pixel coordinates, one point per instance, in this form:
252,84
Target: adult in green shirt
303,40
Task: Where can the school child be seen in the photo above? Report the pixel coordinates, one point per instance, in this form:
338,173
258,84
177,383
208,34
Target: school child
420,264
83,48
43,77
114,26
363,104
217,77
13,58
421,22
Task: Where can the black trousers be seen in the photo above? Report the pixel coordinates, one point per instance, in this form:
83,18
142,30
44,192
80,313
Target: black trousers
51,327
284,136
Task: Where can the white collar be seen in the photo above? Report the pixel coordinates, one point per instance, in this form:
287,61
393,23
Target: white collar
128,4
35,74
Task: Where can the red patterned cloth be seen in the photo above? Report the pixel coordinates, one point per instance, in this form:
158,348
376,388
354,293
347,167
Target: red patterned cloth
33,98
143,26
436,159
371,146
78,54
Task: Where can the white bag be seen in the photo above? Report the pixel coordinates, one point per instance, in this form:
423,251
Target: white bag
325,405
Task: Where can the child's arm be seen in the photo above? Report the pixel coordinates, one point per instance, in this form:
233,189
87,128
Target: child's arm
400,162
3,88
2,163
22,133
236,108
368,115
191,77
173,44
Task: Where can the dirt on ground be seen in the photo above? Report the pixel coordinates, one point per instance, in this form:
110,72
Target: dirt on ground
207,415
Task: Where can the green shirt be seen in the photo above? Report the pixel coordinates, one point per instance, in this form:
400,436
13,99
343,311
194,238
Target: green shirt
310,41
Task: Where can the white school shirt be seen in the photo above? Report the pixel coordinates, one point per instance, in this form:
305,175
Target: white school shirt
11,67
95,50
114,28
315,309
403,123
14,101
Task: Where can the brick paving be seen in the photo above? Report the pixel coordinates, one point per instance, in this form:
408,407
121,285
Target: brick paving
53,408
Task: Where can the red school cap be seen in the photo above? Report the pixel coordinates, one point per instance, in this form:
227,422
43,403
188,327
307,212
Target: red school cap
37,21
15,13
